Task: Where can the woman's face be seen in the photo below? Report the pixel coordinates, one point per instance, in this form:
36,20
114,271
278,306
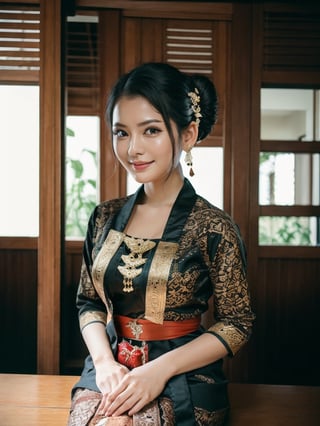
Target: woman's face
141,141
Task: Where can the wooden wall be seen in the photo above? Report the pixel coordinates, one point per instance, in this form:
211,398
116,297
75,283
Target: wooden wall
18,314
287,328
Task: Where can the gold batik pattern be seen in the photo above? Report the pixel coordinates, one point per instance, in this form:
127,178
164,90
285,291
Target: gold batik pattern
92,316
157,281
83,407
211,241
102,260
231,335
167,412
86,287
208,226
210,418
85,404
104,216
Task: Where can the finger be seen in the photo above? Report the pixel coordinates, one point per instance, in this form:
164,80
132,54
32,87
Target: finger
102,409
120,407
137,407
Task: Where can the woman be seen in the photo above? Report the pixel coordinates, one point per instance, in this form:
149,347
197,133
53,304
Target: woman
152,261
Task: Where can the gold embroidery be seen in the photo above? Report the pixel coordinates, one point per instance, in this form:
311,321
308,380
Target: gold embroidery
133,260
213,418
149,415
92,316
136,329
203,378
110,246
229,334
157,281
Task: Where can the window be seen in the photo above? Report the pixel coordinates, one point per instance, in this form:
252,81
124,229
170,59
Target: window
289,178
19,161
81,172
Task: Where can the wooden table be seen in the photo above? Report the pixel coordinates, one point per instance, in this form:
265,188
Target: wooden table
31,400
274,405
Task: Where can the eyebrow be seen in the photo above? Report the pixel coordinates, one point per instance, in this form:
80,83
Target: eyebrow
143,123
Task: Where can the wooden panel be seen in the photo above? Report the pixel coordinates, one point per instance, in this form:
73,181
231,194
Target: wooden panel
73,347
82,73
18,292
283,50
296,210
51,186
290,146
131,43
163,9
152,30
288,252
111,183
288,325
25,2
18,243
240,113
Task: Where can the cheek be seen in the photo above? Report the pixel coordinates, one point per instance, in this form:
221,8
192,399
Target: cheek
163,147
120,150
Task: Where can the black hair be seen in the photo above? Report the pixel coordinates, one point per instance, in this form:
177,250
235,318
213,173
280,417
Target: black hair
167,88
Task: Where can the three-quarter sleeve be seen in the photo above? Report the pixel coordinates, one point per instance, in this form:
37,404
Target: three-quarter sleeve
232,306
90,306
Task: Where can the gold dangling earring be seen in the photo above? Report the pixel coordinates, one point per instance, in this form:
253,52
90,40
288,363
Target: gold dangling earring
188,161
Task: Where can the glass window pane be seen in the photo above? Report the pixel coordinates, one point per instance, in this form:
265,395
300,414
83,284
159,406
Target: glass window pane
289,179
289,114
19,161
208,178
83,135
293,231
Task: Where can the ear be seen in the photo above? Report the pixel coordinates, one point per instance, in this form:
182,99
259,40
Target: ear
189,136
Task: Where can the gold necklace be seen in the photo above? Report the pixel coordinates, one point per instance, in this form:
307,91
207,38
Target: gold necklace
133,260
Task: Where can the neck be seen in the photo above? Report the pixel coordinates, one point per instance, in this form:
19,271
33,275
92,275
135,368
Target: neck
164,193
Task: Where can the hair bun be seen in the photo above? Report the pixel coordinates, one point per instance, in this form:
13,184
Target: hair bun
208,104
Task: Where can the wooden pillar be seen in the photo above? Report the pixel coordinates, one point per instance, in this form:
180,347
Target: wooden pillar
241,114
112,177
51,172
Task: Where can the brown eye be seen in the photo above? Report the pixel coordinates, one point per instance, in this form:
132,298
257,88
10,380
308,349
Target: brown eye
152,131
119,133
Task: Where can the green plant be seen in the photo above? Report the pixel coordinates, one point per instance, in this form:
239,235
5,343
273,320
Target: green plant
284,231
80,193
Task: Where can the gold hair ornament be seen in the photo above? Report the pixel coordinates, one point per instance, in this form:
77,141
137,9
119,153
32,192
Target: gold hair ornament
195,99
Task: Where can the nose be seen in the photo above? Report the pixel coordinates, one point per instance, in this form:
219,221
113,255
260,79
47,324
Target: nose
135,146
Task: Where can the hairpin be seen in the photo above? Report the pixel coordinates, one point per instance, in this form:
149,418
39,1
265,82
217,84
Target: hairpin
195,99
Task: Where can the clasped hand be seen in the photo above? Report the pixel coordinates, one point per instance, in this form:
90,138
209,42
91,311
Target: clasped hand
126,391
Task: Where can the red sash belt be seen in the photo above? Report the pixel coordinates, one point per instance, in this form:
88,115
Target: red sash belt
141,329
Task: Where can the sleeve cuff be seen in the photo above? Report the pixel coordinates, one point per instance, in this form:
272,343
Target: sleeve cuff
231,337
92,316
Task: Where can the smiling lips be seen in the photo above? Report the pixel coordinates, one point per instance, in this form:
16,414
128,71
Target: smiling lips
141,166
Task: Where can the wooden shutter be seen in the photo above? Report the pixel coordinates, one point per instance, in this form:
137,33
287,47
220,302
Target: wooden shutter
291,44
192,47
19,44
83,66
189,48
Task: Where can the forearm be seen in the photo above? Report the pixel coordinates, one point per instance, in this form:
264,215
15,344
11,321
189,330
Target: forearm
97,342
201,351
